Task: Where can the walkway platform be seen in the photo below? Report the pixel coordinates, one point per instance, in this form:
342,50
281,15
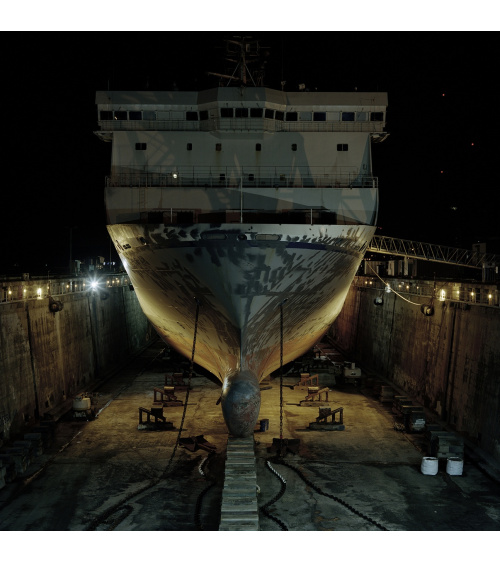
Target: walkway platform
239,510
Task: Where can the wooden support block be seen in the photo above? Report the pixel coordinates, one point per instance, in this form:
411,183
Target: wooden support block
157,409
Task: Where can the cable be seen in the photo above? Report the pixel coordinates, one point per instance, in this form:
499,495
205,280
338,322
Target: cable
179,433
333,497
281,492
106,516
393,290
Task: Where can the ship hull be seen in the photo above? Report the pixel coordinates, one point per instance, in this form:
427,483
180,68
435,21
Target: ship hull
241,214
261,289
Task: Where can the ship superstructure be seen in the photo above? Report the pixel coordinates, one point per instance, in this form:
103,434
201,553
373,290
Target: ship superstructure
249,202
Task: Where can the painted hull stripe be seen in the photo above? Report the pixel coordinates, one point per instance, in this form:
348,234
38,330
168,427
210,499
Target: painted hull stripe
307,245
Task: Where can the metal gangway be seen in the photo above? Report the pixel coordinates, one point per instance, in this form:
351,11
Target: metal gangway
433,252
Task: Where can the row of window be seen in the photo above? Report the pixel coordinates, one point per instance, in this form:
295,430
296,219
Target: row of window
106,115
341,147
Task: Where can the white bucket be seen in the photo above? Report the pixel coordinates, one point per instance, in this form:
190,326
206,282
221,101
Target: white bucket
81,403
429,465
454,466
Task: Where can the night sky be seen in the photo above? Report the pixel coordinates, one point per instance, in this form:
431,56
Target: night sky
436,170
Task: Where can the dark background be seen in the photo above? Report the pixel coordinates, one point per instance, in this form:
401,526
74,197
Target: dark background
436,169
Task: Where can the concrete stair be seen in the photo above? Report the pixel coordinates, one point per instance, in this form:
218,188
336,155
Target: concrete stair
239,510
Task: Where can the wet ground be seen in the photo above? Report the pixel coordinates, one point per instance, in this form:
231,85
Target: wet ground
106,474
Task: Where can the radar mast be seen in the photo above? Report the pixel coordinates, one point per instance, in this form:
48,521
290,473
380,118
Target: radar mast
242,51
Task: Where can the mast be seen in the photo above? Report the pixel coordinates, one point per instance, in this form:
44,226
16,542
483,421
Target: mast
243,51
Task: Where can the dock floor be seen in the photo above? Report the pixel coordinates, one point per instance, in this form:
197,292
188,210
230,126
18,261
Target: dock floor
106,474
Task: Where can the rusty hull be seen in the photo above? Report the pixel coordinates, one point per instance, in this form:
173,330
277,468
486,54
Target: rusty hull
240,277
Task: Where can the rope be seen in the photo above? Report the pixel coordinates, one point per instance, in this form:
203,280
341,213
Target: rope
333,497
281,376
107,515
393,290
199,500
167,469
281,492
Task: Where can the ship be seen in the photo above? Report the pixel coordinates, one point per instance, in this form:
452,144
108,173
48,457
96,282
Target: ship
241,214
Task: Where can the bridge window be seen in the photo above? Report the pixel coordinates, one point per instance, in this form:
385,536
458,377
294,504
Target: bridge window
120,115
191,116
347,116
306,116
241,112
269,114
203,115
279,115
342,147
105,115
256,112
361,116
149,115
319,116
226,112
141,146
291,116
135,115
377,116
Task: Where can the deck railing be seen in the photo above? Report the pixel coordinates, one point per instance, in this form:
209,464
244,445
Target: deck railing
226,178
242,124
310,216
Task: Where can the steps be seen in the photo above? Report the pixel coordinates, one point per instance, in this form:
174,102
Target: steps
239,510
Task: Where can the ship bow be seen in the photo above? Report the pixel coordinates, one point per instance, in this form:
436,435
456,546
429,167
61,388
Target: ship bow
241,403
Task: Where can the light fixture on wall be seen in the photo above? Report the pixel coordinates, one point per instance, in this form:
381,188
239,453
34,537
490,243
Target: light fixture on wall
427,310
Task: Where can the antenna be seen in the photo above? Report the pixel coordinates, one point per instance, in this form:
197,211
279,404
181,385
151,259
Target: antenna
242,51
283,82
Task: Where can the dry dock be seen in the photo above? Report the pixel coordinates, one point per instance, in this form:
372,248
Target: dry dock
105,474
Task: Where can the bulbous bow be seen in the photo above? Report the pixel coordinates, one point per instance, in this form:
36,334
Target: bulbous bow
241,403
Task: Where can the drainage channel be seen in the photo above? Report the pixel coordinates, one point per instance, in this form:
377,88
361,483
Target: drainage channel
239,510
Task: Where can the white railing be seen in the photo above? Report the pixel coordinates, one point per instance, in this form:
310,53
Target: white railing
243,124
250,177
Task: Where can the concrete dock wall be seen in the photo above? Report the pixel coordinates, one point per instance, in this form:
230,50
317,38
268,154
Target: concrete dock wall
448,361
48,357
